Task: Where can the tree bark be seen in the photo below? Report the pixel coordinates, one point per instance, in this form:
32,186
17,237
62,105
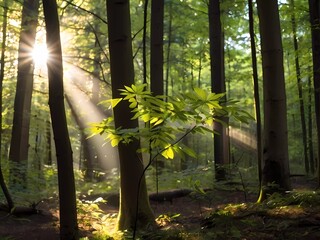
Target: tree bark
168,53
2,66
131,165
310,131
275,152
67,196
221,141
256,88
22,104
156,54
314,8
299,84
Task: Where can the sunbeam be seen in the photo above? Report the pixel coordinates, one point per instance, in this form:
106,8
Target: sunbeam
87,112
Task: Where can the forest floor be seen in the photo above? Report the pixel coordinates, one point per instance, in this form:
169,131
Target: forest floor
221,214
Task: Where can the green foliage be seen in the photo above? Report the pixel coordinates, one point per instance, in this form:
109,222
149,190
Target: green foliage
301,198
168,119
110,183
39,183
90,216
162,219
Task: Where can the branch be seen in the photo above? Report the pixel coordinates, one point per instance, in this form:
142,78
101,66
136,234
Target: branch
87,11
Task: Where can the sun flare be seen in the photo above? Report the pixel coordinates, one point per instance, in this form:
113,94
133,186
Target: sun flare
40,54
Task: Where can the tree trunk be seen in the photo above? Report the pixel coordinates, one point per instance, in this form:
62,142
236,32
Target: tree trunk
67,196
156,60
96,65
133,197
314,8
144,41
310,131
22,104
275,152
221,141
48,140
299,84
87,143
156,54
2,65
168,62
256,89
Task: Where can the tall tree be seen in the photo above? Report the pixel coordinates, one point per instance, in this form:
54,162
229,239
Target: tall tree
168,53
299,85
310,128
156,58
67,194
256,87
221,142
314,8
22,103
156,54
2,65
275,151
134,201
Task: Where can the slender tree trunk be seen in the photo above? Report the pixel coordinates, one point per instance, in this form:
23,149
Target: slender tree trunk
144,41
275,152
133,192
221,142
96,69
256,89
48,139
299,84
87,143
310,135
22,104
168,49
314,8
156,55
199,70
67,195
156,60
2,66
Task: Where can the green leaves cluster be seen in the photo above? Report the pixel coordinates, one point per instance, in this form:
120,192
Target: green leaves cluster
165,121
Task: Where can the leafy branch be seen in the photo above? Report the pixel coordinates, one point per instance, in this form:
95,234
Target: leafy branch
165,121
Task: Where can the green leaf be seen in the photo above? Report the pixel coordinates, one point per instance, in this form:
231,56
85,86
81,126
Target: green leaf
201,93
145,117
158,122
133,104
189,151
168,153
215,96
114,139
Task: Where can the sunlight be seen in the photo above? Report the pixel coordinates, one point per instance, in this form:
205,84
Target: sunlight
87,112
40,54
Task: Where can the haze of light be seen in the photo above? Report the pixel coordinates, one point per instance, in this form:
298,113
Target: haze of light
40,54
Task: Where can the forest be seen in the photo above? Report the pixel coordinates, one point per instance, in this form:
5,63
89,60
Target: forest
159,119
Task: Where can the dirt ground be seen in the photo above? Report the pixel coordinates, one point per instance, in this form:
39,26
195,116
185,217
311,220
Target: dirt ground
44,226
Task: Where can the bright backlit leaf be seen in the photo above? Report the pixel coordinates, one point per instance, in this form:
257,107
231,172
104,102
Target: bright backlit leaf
201,93
168,153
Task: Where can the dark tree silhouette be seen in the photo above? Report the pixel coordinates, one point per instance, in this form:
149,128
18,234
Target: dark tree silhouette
67,195
221,141
275,151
